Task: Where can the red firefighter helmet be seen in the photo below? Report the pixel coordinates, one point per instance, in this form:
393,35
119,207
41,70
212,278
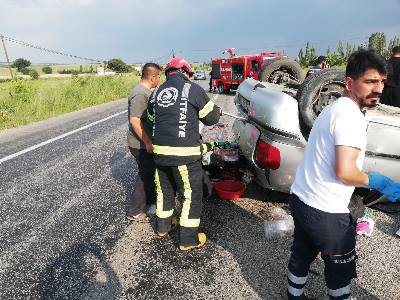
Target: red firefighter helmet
178,63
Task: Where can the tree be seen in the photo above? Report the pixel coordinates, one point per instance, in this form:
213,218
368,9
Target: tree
300,56
313,56
340,50
118,65
377,42
328,51
47,70
21,63
349,50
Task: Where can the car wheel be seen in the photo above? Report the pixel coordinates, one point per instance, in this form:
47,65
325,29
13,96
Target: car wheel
278,71
317,92
221,88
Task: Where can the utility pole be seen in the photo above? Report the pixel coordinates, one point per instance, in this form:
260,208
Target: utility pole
173,53
5,52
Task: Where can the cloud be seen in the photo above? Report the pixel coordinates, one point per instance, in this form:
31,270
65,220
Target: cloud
144,29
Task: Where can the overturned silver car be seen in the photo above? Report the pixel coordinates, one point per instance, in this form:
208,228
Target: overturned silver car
280,119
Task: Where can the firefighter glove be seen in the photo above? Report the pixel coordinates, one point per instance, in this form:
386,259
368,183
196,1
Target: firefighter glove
385,185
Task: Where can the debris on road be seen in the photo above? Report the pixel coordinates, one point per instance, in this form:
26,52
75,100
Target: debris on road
365,224
279,224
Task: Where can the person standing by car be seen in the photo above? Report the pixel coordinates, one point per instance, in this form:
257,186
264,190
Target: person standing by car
139,144
210,82
391,91
321,64
326,177
176,108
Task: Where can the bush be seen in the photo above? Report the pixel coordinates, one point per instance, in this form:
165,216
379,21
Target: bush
25,71
21,63
34,74
118,66
73,72
64,71
21,91
47,70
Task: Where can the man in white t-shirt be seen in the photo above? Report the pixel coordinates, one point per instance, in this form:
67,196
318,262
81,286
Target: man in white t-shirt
326,178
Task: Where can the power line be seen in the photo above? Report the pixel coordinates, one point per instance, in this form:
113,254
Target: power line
29,45
170,53
279,46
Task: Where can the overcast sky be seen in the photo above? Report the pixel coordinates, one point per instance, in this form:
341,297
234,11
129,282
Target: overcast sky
144,30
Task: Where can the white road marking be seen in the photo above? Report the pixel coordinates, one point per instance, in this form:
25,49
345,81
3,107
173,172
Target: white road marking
58,137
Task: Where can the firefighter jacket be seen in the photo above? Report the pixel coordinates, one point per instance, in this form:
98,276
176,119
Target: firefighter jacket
175,109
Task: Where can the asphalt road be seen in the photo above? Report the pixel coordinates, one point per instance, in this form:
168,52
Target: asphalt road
63,232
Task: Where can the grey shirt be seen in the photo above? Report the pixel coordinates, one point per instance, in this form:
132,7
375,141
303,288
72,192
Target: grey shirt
137,104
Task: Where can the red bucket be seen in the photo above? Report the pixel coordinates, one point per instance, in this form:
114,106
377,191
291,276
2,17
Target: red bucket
229,189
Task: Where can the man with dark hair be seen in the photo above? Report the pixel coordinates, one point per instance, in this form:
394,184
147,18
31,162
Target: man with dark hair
326,177
321,64
140,145
391,91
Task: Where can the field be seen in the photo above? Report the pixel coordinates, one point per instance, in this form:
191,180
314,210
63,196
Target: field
85,68
26,101
23,101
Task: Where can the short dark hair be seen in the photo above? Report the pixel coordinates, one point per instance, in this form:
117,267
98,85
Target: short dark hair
362,60
321,59
396,50
147,69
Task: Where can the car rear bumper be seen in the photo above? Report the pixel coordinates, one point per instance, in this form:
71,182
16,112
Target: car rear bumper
280,179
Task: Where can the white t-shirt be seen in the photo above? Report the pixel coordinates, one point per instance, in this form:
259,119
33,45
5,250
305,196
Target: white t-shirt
341,123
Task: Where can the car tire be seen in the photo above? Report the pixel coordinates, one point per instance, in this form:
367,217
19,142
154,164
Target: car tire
316,92
274,69
220,88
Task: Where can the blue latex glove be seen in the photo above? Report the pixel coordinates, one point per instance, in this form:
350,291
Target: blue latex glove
385,185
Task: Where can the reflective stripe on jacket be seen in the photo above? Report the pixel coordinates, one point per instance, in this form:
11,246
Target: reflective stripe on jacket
175,109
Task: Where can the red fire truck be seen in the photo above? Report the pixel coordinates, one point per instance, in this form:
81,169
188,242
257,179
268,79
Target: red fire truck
228,73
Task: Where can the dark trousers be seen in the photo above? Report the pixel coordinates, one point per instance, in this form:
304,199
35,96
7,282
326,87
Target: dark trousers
144,189
332,235
390,96
187,181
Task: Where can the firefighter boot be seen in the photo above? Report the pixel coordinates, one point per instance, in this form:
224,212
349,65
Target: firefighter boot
202,240
174,223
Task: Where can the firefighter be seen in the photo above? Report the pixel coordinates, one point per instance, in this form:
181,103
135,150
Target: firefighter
176,109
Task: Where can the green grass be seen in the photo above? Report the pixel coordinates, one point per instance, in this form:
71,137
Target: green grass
26,101
56,68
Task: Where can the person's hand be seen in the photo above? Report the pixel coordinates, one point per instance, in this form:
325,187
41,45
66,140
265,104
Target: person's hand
210,145
149,148
385,185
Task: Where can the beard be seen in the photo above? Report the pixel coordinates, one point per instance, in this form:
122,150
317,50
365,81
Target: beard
366,102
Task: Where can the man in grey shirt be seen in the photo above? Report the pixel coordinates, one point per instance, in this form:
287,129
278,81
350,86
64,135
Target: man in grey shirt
140,145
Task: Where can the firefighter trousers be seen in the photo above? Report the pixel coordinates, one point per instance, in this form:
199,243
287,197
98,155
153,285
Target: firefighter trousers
187,181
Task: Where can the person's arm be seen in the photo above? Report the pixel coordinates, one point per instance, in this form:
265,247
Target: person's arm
209,113
346,168
141,134
137,107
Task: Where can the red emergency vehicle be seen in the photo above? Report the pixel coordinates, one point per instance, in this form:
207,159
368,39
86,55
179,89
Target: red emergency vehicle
228,73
